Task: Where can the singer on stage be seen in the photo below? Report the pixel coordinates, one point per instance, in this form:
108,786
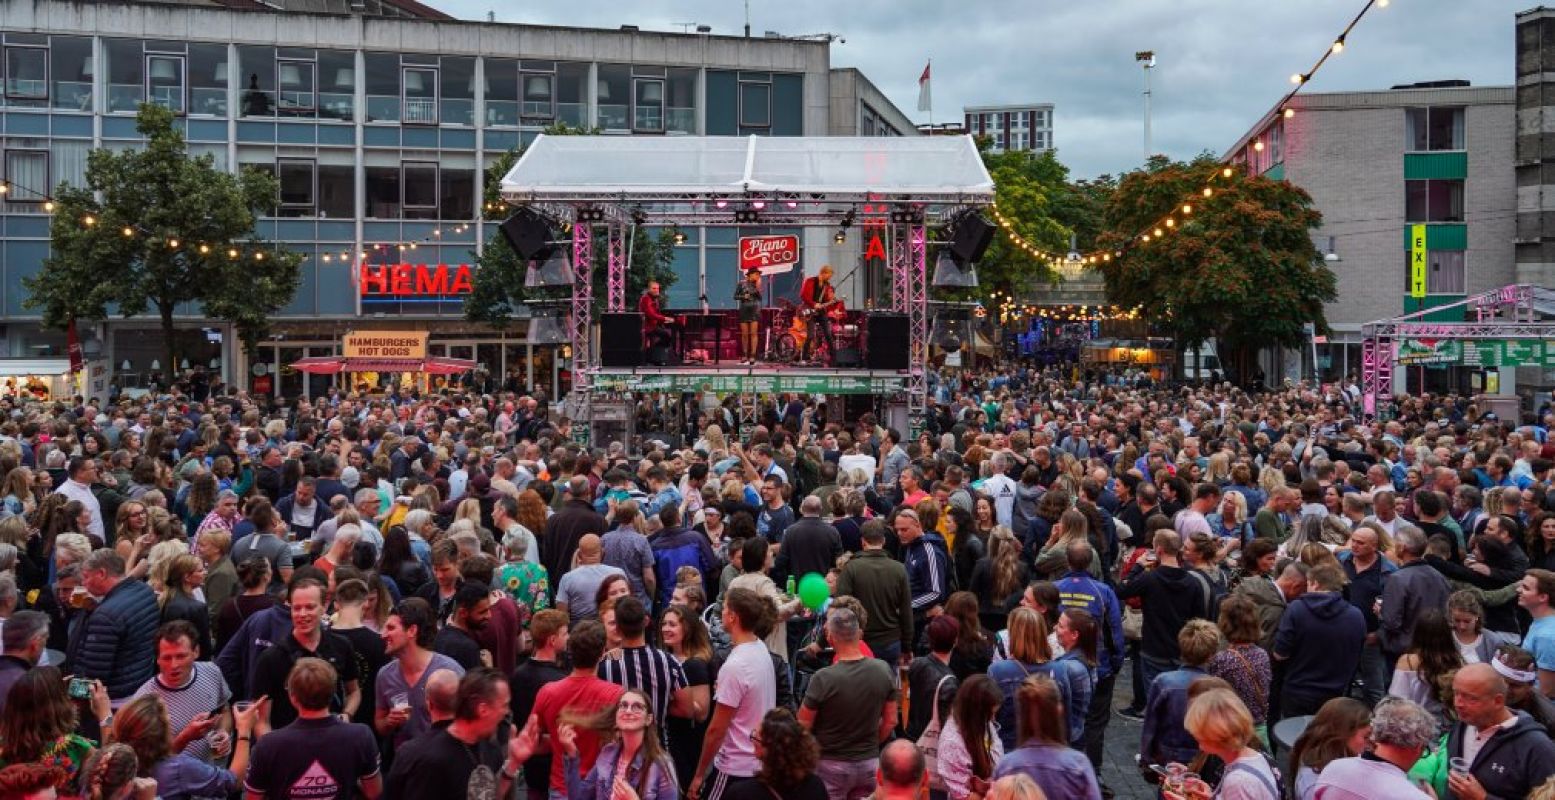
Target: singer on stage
819,297
747,295
655,334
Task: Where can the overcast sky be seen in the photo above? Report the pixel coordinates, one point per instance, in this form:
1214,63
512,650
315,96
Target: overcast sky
1221,63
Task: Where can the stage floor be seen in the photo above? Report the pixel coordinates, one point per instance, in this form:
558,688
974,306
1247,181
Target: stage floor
745,378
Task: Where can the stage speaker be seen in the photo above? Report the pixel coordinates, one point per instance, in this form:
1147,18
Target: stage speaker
973,235
621,339
527,233
888,342
848,357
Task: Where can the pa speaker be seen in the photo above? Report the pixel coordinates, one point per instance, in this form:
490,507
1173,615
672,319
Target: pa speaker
527,233
847,357
973,235
888,342
621,339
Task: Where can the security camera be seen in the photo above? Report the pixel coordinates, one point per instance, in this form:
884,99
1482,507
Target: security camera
842,40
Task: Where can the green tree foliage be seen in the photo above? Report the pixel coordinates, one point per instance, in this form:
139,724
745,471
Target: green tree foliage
1031,192
1241,268
498,290
113,241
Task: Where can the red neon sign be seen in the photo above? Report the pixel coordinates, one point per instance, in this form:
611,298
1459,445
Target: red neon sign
413,280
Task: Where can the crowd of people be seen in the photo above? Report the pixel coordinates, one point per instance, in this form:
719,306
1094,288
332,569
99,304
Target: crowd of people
443,596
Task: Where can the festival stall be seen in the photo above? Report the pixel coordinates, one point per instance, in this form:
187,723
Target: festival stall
385,360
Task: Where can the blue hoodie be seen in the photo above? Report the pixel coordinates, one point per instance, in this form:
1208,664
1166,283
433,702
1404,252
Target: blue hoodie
1320,637
242,652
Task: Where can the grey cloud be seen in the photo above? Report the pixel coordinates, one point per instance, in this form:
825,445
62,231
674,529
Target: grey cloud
1222,63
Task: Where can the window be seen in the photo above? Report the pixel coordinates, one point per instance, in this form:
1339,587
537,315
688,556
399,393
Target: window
208,74
614,96
298,91
126,71
680,100
502,87
1445,272
337,191
1435,128
419,95
755,104
420,184
256,78
70,69
457,90
298,187
337,85
539,101
1433,201
27,171
26,73
165,81
648,106
383,89
383,192
458,194
571,98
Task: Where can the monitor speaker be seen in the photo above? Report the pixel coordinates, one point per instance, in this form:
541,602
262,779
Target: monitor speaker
621,339
888,342
848,357
973,235
527,233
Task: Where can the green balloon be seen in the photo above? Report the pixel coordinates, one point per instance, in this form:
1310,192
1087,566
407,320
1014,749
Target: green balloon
813,590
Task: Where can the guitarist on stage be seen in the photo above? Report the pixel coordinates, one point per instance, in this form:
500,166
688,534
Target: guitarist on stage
819,297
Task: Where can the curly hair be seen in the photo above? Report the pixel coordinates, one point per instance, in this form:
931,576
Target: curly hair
789,752
21,780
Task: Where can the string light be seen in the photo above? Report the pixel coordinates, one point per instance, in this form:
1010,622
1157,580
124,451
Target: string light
128,231
172,244
89,220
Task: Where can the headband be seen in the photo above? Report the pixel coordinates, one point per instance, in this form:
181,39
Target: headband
1511,674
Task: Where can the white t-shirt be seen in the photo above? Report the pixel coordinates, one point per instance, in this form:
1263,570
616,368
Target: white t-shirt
1002,490
746,683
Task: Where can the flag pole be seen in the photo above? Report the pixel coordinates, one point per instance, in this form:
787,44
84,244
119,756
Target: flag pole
931,97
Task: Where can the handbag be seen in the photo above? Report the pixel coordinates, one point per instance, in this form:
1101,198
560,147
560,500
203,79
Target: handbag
928,741
1133,624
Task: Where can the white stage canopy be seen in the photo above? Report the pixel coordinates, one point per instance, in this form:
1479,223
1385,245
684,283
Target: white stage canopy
935,170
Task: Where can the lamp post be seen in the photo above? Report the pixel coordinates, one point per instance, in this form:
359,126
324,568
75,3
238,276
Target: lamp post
1146,58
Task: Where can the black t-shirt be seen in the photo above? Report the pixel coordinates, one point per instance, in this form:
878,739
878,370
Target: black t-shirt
370,657
313,759
459,646
436,765
811,788
525,684
275,663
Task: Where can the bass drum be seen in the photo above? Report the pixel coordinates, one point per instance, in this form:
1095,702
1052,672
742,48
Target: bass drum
787,348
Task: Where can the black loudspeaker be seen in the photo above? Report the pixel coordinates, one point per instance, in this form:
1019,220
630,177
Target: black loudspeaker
527,233
973,235
888,342
621,339
847,357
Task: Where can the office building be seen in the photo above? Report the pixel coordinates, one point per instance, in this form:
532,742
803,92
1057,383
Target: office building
379,118
1021,127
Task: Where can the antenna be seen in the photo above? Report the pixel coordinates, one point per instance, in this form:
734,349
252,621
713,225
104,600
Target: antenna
747,19
685,27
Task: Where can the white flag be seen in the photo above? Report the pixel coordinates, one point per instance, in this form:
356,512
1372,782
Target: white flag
925,103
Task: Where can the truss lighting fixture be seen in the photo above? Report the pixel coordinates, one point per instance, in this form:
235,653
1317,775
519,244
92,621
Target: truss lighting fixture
840,237
591,214
746,216
680,236
912,215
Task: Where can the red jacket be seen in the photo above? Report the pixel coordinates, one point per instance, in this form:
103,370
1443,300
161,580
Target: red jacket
652,318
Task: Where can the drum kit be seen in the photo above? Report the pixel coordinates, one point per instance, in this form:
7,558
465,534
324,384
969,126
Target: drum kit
785,337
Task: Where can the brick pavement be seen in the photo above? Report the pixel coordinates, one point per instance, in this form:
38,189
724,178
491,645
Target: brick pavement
1118,770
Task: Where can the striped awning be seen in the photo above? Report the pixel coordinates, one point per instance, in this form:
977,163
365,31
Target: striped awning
331,365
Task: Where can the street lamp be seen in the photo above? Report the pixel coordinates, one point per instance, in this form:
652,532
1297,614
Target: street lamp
1146,58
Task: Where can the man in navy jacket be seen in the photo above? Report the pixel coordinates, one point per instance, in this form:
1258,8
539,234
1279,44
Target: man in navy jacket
1078,589
116,643
1320,639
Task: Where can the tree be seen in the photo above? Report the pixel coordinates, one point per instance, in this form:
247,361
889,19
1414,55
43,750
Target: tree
498,290
1241,267
154,228
1028,190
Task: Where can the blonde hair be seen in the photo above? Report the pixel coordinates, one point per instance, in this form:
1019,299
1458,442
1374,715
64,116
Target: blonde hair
1219,718
1028,637
1015,787
1198,640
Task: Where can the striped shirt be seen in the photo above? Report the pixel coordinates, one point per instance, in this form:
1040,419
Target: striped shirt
205,693
650,671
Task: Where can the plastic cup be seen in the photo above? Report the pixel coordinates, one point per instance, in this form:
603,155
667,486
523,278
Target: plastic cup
400,701
218,740
242,706
1458,766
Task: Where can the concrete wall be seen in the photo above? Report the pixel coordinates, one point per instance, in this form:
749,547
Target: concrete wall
1347,151
850,90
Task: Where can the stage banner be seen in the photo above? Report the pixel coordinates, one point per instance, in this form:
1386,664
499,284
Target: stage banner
757,384
772,255
385,344
1489,353
1430,351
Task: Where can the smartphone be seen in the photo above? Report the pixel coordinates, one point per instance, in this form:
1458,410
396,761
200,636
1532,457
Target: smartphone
79,689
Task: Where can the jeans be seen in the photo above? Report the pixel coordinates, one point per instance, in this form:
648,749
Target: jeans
1374,674
1150,668
847,780
891,654
1296,705
1096,718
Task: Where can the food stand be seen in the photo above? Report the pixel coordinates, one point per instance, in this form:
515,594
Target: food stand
378,360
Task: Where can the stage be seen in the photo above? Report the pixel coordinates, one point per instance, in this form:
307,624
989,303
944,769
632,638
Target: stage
764,378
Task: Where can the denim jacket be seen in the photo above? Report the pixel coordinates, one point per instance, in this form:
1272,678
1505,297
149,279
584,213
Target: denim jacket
1164,738
596,785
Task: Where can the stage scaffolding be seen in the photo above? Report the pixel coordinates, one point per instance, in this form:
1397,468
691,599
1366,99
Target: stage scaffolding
608,184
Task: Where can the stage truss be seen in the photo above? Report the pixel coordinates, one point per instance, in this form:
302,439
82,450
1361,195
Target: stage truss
889,175
1510,312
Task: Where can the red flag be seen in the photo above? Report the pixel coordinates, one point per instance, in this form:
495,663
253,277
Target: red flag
73,347
924,101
